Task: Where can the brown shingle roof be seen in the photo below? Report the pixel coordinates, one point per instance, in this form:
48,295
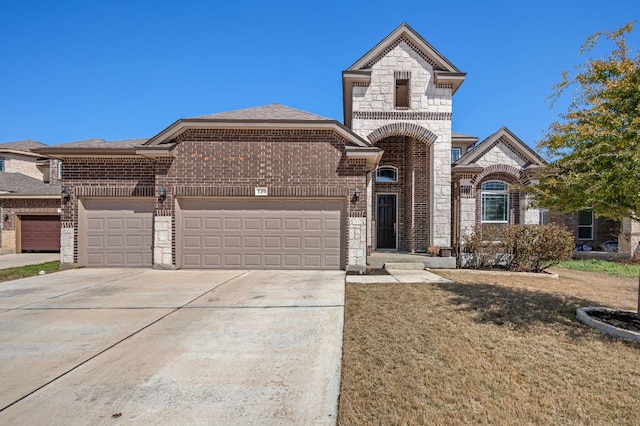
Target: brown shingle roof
19,184
101,143
265,112
23,145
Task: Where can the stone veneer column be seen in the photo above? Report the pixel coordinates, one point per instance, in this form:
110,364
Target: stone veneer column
162,243
441,192
629,237
357,256
67,240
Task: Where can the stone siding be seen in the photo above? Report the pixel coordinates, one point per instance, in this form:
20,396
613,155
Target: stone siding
424,163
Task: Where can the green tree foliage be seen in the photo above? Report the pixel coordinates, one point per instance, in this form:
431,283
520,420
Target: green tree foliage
594,147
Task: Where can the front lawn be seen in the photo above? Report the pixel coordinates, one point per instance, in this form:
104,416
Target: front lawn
489,349
18,272
604,266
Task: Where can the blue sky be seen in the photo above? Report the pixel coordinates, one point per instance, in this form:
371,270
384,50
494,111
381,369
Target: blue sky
74,70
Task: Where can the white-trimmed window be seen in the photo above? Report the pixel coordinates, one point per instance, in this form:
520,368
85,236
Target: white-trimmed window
59,169
455,154
585,224
544,217
387,174
495,202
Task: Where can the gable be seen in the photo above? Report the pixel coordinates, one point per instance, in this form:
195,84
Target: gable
404,34
503,147
500,153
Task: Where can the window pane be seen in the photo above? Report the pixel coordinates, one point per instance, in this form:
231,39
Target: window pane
494,185
455,154
494,207
387,174
585,217
585,233
1,165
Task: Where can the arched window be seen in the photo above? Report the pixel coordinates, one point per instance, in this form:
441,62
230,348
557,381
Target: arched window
387,174
495,202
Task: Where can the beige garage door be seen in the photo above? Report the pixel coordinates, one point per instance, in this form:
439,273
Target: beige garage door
256,234
117,233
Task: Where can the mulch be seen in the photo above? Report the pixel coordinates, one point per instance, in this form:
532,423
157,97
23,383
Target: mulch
621,319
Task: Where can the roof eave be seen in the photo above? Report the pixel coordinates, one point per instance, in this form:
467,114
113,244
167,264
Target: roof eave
454,78
59,153
176,128
371,155
22,196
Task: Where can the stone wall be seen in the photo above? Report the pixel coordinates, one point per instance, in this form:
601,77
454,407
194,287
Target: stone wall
357,242
425,196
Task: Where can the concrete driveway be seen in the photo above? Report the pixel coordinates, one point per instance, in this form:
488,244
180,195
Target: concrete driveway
93,346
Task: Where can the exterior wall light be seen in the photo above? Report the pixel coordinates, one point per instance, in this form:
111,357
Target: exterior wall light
162,193
66,196
356,195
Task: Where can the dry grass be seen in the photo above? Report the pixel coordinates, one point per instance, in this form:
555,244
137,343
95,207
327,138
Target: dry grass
491,349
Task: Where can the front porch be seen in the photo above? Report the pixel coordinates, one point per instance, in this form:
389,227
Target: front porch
377,260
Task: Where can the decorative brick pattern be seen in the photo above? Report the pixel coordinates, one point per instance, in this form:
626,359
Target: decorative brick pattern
401,115
402,129
402,39
507,172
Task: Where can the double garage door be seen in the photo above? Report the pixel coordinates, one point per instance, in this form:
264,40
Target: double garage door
217,233
260,234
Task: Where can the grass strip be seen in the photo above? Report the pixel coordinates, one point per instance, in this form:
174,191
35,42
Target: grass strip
603,266
18,272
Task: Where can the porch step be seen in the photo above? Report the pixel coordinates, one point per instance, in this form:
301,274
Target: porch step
413,266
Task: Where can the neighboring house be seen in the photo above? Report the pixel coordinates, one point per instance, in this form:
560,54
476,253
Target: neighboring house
276,187
29,199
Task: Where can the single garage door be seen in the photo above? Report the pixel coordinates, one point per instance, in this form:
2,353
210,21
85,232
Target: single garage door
117,232
257,234
39,233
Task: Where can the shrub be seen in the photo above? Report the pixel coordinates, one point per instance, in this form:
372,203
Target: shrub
523,248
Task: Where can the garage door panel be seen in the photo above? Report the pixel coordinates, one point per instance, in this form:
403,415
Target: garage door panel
312,242
313,261
273,224
232,223
118,232
194,223
292,242
261,233
253,242
253,224
312,225
212,242
292,224
331,243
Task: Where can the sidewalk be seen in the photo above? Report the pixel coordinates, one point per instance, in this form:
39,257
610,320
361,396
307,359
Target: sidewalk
23,259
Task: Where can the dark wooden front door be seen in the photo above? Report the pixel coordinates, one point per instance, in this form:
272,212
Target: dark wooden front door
386,221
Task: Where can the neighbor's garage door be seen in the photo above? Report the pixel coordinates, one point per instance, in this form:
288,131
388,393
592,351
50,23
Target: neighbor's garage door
271,234
117,232
40,233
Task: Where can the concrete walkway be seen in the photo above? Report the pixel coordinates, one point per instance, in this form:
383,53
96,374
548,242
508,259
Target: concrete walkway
91,346
398,276
24,259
